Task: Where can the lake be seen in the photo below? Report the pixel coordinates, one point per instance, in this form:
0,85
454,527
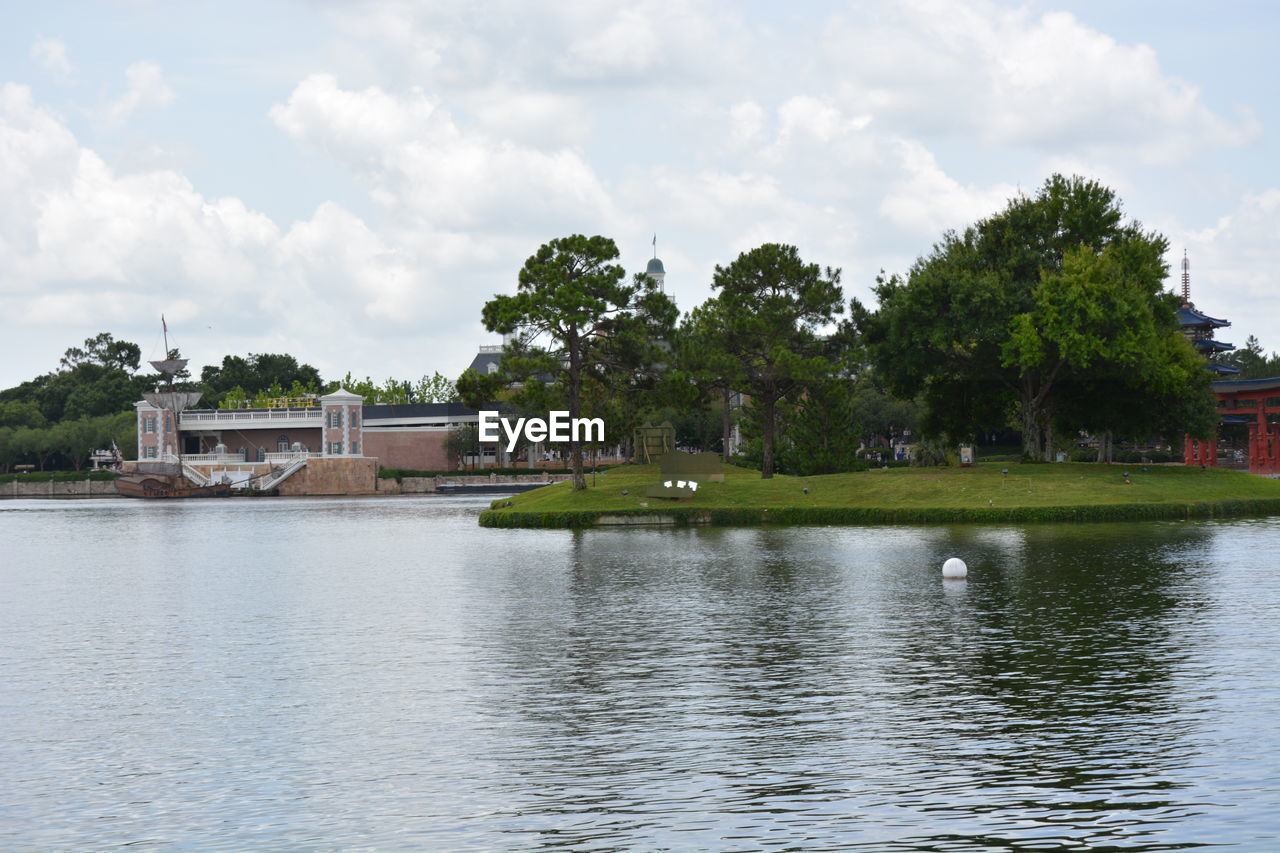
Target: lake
382,674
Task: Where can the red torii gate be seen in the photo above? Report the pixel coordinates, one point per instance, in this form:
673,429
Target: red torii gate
1244,401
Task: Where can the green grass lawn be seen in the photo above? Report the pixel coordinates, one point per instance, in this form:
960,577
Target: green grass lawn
1066,491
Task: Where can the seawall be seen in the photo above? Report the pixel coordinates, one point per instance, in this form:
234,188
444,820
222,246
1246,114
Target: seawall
430,485
50,489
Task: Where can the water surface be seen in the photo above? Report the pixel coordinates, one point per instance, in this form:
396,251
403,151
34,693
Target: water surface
383,674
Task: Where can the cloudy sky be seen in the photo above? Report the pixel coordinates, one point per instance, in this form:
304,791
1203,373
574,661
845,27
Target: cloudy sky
350,182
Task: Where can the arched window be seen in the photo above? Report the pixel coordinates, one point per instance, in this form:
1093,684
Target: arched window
282,444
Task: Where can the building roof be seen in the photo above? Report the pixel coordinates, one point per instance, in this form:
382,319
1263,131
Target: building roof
1189,316
482,361
655,266
342,395
1224,386
1210,345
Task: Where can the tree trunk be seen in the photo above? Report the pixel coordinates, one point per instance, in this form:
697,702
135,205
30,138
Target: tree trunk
575,411
728,425
769,407
1031,446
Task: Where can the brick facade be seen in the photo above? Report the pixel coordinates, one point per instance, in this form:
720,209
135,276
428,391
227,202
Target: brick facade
412,450
343,431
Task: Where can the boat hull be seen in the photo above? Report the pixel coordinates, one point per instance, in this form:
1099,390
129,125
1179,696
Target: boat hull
157,488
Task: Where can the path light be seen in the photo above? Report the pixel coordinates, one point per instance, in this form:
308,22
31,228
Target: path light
1004,472
954,567
805,490
626,491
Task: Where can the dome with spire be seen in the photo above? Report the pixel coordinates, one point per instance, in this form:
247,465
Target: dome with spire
655,266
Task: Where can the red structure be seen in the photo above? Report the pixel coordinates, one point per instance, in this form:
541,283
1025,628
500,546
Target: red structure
1245,401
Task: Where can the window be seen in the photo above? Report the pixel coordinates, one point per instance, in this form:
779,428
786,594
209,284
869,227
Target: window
262,454
335,448
333,420
282,444
355,419
355,448
150,452
149,424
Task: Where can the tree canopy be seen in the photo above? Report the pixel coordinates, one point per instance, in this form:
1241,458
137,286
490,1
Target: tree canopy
1018,315
764,326
579,332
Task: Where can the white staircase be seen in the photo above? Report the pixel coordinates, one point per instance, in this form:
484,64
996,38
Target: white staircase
279,475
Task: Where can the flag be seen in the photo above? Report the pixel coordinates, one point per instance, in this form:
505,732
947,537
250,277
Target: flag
165,325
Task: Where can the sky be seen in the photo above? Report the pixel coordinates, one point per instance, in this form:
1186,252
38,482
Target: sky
349,182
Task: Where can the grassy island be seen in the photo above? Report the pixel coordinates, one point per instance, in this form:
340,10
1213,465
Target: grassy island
1029,493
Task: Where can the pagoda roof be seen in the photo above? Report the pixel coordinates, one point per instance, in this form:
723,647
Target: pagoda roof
1189,316
1209,345
1225,386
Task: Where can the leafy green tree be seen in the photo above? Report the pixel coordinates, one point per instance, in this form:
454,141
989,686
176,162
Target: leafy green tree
256,373
879,416
76,439
435,388
772,307
463,443
1055,288
105,351
576,322
821,429
21,413
33,444
9,453
705,368
1252,360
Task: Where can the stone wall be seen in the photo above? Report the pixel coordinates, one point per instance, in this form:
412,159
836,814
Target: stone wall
335,475
429,485
74,489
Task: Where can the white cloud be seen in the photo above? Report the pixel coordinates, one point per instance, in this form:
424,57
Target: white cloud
51,53
1233,264
927,201
1016,80
85,247
746,121
146,86
435,173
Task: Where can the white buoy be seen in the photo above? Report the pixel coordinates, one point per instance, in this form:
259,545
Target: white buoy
954,567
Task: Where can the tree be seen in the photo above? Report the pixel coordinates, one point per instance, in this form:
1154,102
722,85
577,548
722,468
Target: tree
1054,290
104,350
576,322
771,306
705,366
255,374
821,429
462,442
21,413
435,388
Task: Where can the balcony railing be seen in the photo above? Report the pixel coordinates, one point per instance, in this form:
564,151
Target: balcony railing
213,458
238,418
290,456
